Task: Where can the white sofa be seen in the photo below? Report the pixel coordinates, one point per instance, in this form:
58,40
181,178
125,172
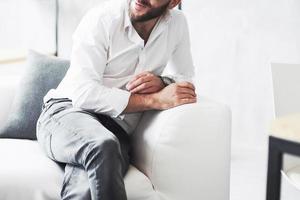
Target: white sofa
179,154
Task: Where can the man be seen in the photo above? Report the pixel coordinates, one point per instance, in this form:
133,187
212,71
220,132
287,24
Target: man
120,49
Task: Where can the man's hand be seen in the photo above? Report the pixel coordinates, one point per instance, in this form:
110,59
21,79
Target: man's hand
174,95
145,83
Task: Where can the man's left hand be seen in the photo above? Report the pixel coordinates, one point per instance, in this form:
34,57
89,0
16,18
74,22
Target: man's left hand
145,83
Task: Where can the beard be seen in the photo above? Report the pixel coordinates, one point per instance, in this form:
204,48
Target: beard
151,14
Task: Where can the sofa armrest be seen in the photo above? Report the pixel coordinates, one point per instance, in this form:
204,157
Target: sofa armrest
185,151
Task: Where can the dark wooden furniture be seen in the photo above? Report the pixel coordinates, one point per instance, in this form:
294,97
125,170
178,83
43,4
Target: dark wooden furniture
277,147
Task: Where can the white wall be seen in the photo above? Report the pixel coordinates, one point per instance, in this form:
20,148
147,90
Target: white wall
233,43
27,24
70,14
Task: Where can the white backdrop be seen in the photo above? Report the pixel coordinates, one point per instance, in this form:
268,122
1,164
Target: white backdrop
234,42
27,24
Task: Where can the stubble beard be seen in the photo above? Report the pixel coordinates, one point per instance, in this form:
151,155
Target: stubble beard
151,14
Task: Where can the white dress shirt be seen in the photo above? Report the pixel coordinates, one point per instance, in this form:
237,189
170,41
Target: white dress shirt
107,53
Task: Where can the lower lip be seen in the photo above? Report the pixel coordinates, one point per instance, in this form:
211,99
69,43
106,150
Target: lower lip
138,6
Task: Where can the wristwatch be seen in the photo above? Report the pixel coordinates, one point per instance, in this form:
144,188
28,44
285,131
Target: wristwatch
166,80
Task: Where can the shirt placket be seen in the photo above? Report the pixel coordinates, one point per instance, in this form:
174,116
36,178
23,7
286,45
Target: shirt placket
141,59
139,42
134,37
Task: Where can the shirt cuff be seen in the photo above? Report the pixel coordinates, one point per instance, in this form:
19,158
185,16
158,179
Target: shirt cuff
118,99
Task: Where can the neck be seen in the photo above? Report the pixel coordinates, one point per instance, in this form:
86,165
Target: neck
144,29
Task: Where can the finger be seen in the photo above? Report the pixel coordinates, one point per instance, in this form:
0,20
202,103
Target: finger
135,78
141,87
188,101
145,73
184,96
138,82
148,90
186,84
187,91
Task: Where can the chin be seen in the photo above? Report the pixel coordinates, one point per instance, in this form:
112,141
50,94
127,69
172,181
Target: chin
135,16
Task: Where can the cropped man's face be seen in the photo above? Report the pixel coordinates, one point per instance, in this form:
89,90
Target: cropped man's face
144,10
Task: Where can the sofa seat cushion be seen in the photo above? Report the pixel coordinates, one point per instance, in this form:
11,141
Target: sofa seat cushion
26,173
287,127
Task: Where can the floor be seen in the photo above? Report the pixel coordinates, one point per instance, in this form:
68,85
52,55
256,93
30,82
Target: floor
248,176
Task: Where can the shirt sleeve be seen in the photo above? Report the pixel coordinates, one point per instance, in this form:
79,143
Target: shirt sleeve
180,67
88,62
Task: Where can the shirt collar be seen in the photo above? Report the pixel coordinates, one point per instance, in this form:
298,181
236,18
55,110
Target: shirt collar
127,22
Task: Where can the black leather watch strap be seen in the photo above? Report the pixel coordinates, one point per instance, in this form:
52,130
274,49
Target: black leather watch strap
166,80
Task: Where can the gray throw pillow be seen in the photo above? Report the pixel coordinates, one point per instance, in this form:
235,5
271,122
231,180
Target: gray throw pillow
42,74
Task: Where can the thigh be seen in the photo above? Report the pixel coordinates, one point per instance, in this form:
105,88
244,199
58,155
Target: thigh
67,133
71,135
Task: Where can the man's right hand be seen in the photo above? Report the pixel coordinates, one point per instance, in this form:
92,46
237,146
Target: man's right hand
174,95
171,96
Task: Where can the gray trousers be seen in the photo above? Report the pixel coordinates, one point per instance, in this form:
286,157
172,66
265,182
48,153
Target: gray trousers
94,148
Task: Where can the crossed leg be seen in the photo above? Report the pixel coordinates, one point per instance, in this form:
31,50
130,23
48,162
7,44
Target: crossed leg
92,153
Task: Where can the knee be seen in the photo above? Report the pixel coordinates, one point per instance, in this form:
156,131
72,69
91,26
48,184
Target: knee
108,146
104,148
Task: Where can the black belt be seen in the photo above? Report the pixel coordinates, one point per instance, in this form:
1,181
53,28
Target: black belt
113,126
